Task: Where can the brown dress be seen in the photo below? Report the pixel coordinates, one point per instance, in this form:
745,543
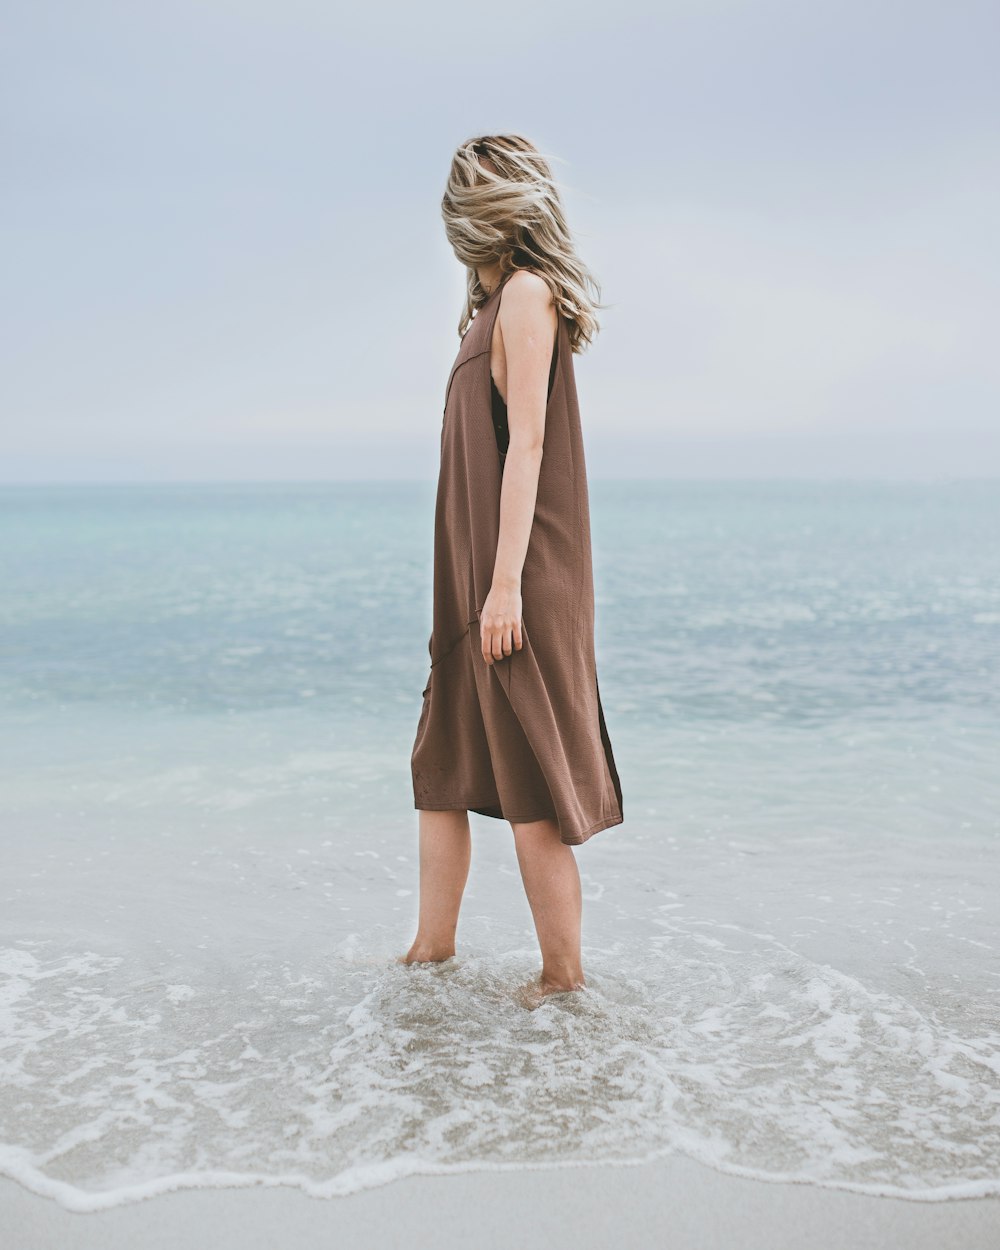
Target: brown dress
524,738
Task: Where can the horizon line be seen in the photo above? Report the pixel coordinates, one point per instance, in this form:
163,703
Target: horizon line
922,479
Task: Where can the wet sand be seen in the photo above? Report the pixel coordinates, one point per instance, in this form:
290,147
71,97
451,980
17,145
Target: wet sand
671,1202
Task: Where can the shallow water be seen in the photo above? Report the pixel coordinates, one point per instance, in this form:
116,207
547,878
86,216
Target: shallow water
209,848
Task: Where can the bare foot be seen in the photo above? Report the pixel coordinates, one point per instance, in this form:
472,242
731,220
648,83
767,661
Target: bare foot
534,992
425,955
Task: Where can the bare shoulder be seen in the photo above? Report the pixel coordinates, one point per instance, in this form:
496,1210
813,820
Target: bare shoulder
528,292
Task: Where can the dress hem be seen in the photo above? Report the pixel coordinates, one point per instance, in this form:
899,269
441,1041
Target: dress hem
589,833
606,823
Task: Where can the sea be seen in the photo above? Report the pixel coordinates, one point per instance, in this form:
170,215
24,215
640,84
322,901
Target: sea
208,847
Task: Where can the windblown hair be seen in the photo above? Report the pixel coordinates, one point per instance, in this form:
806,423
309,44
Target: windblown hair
503,205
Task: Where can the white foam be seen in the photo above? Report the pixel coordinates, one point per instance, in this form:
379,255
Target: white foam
731,1049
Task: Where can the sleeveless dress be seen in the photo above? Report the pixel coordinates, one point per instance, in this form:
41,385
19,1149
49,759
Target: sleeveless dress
524,738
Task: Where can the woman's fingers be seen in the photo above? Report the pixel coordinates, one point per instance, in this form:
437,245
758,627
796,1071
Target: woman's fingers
498,641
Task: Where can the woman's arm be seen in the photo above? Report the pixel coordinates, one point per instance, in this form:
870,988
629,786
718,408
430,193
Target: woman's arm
528,320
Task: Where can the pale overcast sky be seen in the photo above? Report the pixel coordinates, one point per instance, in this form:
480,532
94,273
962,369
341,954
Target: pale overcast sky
225,258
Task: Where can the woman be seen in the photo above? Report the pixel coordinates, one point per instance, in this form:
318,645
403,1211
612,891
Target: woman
512,724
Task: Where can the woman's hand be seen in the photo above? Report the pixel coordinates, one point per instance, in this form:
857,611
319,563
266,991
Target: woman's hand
500,622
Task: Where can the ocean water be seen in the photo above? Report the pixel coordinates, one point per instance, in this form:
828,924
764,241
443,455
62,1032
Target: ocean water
209,695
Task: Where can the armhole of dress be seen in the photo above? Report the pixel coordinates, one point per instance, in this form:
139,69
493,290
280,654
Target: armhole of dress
555,354
553,365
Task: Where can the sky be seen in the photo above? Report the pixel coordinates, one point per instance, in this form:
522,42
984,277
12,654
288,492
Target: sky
225,258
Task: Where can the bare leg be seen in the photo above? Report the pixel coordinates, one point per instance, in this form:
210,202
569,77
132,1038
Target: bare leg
552,883
445,855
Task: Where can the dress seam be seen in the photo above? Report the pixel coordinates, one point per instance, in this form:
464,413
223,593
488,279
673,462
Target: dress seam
604,824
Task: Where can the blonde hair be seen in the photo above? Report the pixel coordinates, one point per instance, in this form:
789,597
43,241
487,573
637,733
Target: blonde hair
502,205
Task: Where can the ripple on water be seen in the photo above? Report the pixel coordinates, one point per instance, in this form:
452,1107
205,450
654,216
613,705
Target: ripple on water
743,1055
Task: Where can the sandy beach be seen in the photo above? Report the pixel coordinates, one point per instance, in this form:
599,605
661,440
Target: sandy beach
672,1202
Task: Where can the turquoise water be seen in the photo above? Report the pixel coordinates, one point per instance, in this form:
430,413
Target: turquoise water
795,602
209,696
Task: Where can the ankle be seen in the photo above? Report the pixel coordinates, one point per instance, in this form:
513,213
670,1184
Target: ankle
427,951
559,979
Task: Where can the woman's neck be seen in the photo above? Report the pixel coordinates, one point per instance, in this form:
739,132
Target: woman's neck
489,276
